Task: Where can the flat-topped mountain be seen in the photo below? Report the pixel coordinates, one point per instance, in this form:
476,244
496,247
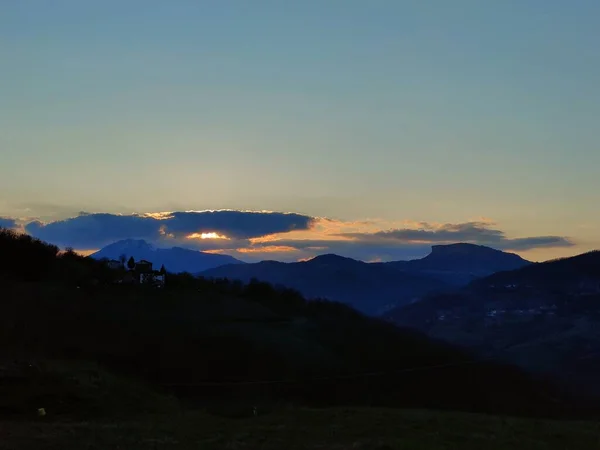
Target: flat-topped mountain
459,264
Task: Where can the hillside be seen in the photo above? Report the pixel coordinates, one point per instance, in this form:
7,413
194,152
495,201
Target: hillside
544,317
579,272
174,259
216,343
370,288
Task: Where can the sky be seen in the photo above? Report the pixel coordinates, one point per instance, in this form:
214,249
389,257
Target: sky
370,129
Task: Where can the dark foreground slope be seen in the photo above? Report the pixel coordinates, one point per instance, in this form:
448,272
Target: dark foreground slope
188,343
215,343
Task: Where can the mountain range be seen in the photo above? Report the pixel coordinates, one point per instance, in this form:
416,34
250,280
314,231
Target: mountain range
174,259
368,288
374,288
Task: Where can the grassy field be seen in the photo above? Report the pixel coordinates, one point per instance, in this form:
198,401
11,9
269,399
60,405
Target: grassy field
90,408
291,429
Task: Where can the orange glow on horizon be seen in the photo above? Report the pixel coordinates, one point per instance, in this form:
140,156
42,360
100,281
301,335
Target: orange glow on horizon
86,252
267,249
219,251
332,230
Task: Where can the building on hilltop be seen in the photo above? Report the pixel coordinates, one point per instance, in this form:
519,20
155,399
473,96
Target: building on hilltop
147,276
143,266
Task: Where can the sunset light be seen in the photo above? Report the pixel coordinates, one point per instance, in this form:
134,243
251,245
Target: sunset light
211,235
268,249
272,224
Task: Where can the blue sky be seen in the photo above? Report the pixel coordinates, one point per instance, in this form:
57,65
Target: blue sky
389,111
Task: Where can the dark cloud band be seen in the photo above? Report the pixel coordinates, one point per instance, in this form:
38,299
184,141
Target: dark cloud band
96,230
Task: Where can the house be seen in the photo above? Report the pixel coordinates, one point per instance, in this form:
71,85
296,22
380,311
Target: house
144,274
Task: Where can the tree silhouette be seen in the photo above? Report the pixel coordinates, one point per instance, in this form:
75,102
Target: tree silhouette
163,271
123,259
131,263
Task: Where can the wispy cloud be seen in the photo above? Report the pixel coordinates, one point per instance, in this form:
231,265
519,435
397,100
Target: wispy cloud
96,230
473,232
366,240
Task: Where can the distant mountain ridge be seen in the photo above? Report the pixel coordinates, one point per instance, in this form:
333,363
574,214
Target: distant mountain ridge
367,287
372,288
376,287
175,259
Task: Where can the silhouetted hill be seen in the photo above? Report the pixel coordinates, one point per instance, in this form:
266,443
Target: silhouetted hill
459,264
565,274
370,288
175,259
333,259
215,342
185,343
545,317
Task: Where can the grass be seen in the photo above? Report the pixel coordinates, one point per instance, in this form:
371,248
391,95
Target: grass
291,429
90,408
70,389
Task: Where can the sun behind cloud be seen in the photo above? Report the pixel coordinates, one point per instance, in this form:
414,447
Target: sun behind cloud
211,235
